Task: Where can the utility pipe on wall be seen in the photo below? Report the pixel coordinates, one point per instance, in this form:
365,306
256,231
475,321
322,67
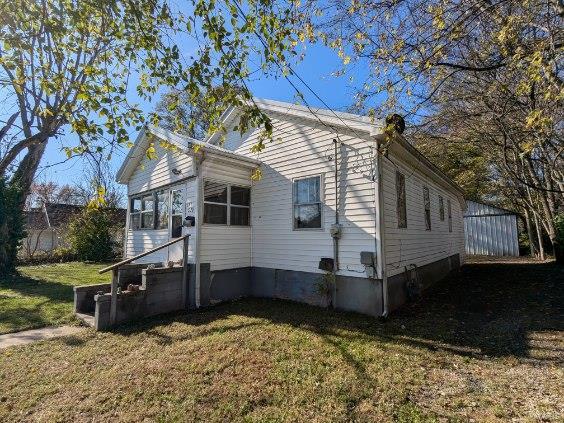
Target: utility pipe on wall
337,228
380,229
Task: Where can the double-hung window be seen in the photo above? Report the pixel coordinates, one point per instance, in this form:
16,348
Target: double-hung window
441,208
307,205
449,208
401,209
147,212
162,198
226,204
427,203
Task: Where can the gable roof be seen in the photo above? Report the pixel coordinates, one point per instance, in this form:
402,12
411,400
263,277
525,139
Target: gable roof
184,143
363,126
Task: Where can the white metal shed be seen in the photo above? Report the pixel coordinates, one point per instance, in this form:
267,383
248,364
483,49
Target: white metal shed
490,230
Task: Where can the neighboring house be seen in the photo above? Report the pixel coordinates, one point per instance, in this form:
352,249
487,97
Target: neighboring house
490,230
47,226
271,237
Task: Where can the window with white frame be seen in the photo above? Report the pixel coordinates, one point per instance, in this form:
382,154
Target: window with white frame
307,205
147,212
401,208
449,209
225,203
427,203
441,208
162,201
153,210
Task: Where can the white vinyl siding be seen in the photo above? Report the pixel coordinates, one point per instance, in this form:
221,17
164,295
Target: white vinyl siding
416,244
302,150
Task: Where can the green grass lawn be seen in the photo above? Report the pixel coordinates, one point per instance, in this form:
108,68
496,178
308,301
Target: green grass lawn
42,295
486,345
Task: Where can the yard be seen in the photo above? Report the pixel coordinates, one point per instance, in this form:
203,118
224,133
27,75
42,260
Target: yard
42,295
487,346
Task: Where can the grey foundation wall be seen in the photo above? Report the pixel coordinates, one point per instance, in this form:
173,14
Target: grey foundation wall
361,295
351,293
429,274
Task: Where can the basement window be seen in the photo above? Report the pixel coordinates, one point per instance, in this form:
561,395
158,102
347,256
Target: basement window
307,203
401,209
427,202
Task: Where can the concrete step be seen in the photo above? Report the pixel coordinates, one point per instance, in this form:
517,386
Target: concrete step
87,319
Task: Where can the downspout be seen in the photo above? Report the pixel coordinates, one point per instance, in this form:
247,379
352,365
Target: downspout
199,220
379,237
336,232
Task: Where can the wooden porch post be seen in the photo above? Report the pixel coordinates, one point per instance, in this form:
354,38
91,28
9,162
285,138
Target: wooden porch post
113,303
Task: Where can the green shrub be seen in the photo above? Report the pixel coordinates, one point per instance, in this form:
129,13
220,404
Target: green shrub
12,230
92,234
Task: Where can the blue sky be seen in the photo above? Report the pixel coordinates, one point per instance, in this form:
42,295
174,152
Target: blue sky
315,69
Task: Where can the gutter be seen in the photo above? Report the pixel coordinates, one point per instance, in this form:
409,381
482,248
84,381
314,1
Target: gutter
198,167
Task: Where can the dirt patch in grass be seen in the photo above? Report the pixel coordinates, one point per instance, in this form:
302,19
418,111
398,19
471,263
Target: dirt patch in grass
486,345
42,295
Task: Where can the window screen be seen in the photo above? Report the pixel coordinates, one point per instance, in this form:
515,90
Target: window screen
240,205
215,203
401,209
427,204
307,203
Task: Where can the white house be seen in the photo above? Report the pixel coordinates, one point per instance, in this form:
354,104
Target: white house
400,222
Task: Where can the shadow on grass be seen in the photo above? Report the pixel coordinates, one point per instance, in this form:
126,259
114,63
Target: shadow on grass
34,302
485,310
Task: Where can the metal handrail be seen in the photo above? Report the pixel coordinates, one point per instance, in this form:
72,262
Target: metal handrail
152,250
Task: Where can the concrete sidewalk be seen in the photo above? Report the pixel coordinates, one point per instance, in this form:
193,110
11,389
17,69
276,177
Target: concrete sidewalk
33,335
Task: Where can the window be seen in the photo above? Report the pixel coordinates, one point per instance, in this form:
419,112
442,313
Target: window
147,212
225,203
240,204
153,210
135,213
449,215
441,209
177,211
215,203
427,202
162,209
401,209
307,203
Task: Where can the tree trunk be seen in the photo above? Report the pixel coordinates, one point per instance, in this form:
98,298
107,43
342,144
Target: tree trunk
539,236
25,174
530,232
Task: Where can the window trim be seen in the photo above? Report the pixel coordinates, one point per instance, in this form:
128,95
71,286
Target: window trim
427,208
228,204
321,202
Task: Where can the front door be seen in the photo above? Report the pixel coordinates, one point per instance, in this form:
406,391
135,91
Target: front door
182,204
